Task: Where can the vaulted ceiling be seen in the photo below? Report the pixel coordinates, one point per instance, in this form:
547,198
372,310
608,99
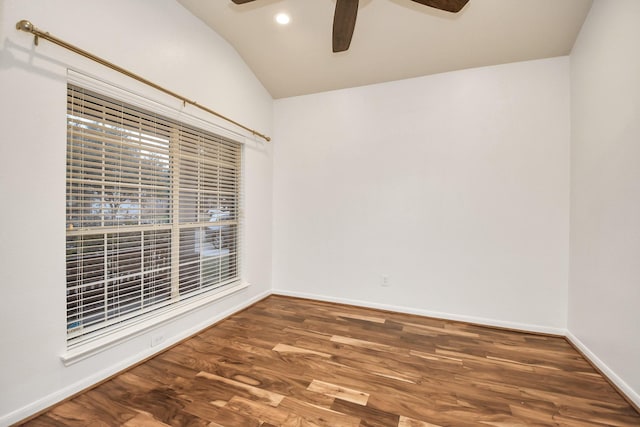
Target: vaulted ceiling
393,39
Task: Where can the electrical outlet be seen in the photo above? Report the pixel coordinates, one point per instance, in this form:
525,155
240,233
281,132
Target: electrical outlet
385,281
157,339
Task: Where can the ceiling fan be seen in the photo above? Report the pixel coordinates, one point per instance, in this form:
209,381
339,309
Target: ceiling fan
344,18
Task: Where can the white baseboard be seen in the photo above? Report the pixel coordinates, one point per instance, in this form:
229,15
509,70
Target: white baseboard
630,393
60,395
410,310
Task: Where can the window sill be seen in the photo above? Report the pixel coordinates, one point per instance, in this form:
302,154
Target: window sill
156,319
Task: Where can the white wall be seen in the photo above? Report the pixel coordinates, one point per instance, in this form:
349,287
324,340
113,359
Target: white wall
163,42
455,185
604,290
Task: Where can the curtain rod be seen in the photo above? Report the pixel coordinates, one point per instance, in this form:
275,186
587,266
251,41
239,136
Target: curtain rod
28,27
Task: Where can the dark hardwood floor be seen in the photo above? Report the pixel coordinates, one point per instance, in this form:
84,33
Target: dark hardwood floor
291,362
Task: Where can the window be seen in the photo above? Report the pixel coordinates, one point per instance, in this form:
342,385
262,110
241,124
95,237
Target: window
152,212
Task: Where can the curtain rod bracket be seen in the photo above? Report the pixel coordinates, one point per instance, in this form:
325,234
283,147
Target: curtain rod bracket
27,26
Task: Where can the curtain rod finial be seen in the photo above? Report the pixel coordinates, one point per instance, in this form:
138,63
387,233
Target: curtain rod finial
25,25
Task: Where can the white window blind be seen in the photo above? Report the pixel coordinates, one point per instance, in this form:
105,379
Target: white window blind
152,214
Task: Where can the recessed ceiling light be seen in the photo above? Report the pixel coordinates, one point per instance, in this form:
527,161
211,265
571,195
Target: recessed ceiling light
283,18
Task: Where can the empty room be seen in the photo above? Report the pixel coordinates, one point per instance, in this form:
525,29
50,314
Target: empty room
334,213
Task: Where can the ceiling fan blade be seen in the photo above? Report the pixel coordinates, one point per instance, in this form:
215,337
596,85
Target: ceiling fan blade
344,21
448,5
241,1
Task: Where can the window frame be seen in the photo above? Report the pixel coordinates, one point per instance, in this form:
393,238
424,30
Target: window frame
179,306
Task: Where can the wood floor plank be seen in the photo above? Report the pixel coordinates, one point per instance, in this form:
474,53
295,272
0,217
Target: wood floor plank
144,420
284,348
289,362
262,412
339,392
323,417
369,417
266,396
408,422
